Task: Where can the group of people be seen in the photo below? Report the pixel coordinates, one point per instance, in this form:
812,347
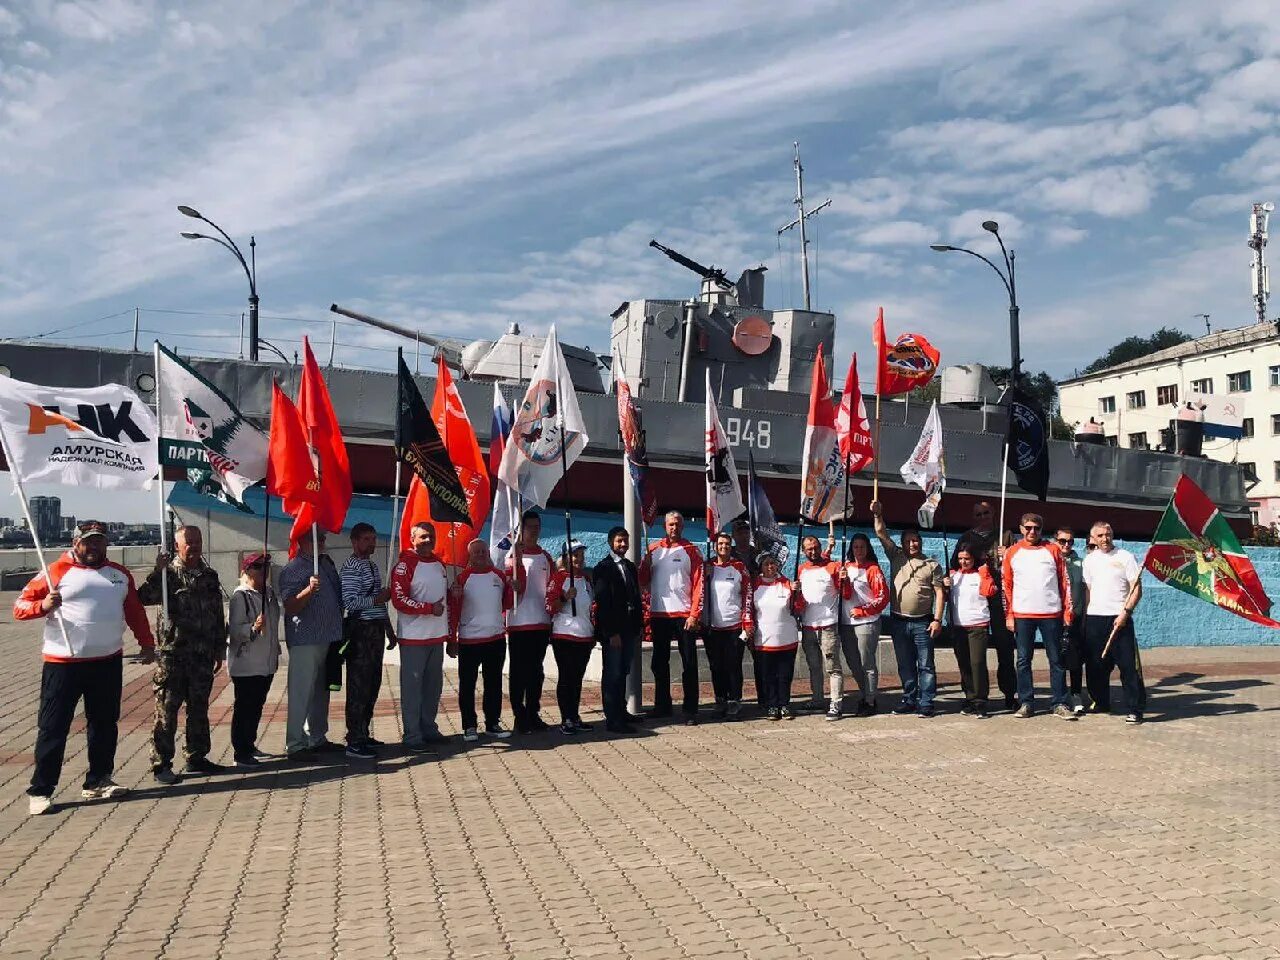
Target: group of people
738,600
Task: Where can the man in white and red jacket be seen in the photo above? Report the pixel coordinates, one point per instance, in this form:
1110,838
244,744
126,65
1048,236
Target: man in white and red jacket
671,573
419,591
528,625
86,600
1037,589
823,585
479,600
724,593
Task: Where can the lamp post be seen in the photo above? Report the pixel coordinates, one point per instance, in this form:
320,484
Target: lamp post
1009,277
250,268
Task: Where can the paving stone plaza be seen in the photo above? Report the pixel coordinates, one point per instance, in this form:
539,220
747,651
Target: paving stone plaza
881,837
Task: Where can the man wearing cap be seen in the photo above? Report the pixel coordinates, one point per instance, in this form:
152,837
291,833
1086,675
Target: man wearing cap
191,649
312,621
365,601
85,601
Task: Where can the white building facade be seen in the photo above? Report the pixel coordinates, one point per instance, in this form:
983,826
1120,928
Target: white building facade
1137,399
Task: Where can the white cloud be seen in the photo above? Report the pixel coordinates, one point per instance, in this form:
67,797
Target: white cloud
10,25
896,232
1115,191
98,19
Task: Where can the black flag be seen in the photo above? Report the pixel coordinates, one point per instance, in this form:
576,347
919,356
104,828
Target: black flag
419,445
764,525
1028,444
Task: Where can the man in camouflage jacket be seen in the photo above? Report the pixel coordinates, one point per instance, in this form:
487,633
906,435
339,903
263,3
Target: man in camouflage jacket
190,648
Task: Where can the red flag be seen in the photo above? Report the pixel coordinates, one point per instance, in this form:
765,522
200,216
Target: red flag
822,468
852,426
907,363
290,473
633,446
325,436
473,473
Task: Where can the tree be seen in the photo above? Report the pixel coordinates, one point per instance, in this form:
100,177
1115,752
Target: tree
1134,348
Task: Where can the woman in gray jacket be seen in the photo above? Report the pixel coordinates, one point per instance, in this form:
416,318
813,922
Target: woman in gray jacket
253,653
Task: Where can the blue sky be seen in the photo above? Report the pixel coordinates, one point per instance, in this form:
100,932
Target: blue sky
459,166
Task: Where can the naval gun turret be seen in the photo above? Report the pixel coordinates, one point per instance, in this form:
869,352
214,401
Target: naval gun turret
713,274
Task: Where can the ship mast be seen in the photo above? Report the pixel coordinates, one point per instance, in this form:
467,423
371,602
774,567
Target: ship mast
1258,243
800,222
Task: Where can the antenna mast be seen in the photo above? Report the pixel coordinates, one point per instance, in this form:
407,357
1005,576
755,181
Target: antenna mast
800,222
1258,244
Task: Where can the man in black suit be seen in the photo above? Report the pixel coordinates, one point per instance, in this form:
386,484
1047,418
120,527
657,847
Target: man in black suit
619,626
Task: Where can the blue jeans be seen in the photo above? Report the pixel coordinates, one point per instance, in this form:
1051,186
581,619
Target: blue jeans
613,676
1024,635
913,649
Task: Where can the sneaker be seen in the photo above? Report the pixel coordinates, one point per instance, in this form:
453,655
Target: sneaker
246,760
302,755
735,707
980,711
1010,702
833,712
1077,705
469,735
373,742
1023,712
104,789
203,766
327,746
497,731
39,805
537,724
568,728
925,712
904,708
775,713
165,776
1063,712
261,756
787,713
1133,718
360,751
967,710
868,708
580,727
690,719
420,748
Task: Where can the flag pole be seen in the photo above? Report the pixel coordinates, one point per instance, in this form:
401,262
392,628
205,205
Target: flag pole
266,535
564,481
35,534
1114,629
1004,483
164,571
395,490
875,477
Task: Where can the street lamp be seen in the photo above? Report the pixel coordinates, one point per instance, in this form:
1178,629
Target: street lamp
250,267
1008,277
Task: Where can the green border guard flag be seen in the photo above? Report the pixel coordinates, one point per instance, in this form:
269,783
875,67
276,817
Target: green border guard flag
1195,551
200,429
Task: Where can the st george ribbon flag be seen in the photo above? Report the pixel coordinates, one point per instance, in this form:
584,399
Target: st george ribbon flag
201,430
631,429
822,486
505,516
852,426
548,434
100,437
1194,550
418,444
724,495
927,467
765,529
907,363
1028,448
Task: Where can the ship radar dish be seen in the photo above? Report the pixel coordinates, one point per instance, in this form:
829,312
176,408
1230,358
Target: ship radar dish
752,335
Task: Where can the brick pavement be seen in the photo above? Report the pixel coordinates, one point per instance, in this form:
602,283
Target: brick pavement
888,837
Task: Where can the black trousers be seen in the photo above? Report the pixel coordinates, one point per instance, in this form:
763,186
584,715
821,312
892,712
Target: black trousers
724,654
757,671
333,665
472,659
61,687
525,676
571,665
1123,654
246,712
970,645
779,666
613,676
1002,640
364,674
664,630
1074,654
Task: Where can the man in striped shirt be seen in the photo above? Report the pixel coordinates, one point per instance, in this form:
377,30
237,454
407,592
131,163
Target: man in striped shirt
364,599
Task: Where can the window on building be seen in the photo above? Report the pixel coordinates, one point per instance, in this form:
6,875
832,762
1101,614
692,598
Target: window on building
1204,386
1107,404
1275,424
1241,382
1250,470
1138,441
1277,468
1167,395
1113,441
1136,400
1273,375
1246,427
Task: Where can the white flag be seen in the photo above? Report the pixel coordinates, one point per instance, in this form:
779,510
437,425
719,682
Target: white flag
100,437
927,467
548,427
504,521
202,430
724,495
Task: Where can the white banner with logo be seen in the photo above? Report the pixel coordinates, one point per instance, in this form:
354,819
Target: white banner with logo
100,437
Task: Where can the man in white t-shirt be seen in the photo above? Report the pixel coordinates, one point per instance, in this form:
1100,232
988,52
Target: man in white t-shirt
1113,587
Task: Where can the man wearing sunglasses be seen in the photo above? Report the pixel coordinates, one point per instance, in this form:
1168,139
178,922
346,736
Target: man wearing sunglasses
1073,650
1038,590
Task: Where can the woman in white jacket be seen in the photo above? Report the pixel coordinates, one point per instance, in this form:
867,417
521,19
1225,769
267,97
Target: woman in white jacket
253,653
